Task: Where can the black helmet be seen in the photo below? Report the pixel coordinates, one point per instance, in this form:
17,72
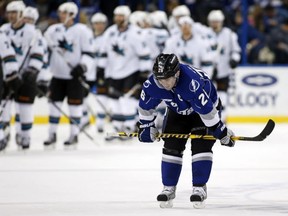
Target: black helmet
165,66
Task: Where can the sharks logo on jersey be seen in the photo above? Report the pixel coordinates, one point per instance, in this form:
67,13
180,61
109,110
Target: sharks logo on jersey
65,45
117,49
184,58
18,49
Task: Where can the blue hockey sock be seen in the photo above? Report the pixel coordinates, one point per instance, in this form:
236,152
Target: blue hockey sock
201,168
171,169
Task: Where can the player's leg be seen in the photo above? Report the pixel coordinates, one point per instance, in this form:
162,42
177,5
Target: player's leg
3,141
75,94
129,104
104,99
202,157
117,118
172,154
17,125
57,90
85,120
222,88
25,99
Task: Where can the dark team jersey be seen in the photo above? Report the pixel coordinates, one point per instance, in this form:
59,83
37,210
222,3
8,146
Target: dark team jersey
193,92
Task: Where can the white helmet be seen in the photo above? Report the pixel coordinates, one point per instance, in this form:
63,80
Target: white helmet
122,10
69,7
138,18
159,19
99,17
216,15
18,6
31,12
181,10
185,20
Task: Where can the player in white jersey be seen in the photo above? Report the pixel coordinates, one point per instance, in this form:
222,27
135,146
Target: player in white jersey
9,73
126,63
29,49
227,55
99,23
71,54
191,48
180,11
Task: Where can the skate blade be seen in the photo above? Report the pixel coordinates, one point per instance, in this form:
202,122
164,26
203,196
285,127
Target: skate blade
199,205
166,204
50,147
70,147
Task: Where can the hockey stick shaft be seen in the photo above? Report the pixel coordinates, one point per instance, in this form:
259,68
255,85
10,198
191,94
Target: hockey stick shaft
260,137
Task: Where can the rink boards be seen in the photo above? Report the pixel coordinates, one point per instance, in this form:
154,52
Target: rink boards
256,94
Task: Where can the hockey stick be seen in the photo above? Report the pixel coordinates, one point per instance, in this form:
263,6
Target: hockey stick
260,137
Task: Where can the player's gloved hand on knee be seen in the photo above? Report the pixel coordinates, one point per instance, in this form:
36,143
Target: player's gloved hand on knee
78,71
13,81
30,75
42,85
147,131
221,132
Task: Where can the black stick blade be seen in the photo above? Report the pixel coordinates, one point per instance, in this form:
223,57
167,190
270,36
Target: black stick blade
265,132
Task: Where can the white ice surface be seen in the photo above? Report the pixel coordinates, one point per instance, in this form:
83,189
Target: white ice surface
123,178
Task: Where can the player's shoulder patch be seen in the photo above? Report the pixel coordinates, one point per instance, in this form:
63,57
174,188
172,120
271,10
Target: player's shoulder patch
194,85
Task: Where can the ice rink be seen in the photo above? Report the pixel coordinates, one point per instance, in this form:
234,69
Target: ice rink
123,178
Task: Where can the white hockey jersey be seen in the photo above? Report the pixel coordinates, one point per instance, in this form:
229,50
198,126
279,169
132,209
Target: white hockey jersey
69,47
98,41
194,51
7,56
124,53
227,48
156,39
27,44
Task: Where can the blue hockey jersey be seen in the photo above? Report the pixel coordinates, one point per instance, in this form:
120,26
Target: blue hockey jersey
193,92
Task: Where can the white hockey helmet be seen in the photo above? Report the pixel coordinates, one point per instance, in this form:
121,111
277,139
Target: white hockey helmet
122,10
186,20
32,13
99,18
216,15
159,19
181,10
138,18
17,6
69,7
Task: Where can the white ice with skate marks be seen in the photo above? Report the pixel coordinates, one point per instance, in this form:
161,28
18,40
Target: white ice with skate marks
123,178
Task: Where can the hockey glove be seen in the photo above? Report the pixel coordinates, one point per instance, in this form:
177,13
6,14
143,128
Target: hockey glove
100,77
233,64
78,71
221,132
42,86
147,131
29,76
13,81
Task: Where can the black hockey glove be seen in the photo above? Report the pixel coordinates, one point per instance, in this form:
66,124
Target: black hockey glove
147,131
42,86
29,76
100,77
78,71
233,64
13,81
143,75
221,132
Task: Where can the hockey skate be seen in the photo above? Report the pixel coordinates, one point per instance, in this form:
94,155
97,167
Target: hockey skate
71,142
50,142
18,138
3,144
166,197
24,143
198,197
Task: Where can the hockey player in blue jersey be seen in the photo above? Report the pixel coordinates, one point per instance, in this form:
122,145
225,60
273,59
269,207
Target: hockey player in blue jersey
192,106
